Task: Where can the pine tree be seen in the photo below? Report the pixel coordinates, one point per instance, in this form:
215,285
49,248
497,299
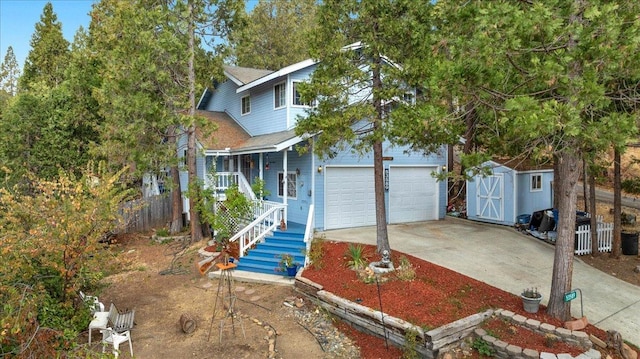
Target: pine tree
357,87
549,80
9,73
47,60
274,34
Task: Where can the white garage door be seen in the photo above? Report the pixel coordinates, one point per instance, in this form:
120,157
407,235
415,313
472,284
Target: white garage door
413,194
349,197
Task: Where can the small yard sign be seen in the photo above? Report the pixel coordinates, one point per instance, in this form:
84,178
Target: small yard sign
569,296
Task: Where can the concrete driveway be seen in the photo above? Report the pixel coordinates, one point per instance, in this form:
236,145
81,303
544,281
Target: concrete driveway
512,261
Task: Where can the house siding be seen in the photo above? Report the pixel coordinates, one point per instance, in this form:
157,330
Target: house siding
528,201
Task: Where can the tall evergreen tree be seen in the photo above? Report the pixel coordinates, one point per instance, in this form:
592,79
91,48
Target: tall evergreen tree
47,60
9,73
275,34
356,87
551,79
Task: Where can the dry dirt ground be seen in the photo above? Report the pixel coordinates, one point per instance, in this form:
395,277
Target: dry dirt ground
161,292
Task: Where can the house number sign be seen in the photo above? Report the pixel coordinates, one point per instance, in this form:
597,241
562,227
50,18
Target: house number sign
386,179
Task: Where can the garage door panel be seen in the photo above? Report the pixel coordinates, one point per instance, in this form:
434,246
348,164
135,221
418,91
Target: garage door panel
413,194
349,197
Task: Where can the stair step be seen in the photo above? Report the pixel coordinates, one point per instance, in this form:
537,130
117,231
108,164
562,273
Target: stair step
288,234
258,268
276,252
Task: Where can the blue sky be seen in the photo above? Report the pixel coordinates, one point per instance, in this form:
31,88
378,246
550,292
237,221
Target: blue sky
18,20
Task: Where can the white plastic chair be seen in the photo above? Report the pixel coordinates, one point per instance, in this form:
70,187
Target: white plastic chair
93,302
100,321
110,337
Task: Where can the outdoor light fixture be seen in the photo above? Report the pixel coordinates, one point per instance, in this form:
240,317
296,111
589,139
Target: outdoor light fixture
298,171
319,169
444,168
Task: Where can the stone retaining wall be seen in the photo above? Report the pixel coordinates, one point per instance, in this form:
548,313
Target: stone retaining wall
429,344
506,350
440,340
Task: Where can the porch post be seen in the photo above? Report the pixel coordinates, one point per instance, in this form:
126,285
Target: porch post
313,172
261,166
285,183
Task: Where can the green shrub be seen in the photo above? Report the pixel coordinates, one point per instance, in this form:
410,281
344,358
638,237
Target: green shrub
631,185
483,347
356,256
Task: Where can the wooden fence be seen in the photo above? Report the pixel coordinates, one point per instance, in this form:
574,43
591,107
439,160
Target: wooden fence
144,214
583,238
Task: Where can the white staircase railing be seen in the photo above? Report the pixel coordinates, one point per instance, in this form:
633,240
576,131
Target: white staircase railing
308,234
270,215
220,181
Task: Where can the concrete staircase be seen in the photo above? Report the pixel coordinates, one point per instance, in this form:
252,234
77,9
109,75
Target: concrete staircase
265,257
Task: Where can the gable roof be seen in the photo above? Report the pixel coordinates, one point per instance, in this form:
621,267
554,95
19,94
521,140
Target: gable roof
274,75
243,75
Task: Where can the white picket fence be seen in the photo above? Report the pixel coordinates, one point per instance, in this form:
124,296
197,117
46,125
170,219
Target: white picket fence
583,238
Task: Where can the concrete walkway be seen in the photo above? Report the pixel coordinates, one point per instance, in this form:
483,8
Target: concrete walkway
512,261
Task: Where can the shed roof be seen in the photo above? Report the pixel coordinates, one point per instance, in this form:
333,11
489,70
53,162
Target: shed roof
523,164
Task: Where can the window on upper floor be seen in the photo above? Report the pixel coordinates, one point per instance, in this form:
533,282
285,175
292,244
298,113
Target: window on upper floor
246,105
536,182
297,101
279,95
292,180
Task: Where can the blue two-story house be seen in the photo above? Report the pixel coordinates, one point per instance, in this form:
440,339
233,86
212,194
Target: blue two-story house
255,112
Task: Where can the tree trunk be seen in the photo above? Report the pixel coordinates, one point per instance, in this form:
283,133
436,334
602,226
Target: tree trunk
194,190
592,210
616,246
382,237
567,174
585,189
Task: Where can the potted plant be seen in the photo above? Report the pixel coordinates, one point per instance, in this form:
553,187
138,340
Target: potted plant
531,299
287,263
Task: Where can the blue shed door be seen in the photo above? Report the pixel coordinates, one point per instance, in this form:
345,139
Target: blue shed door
490,193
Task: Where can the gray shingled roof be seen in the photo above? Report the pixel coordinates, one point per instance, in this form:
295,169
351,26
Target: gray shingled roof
265,141
246,74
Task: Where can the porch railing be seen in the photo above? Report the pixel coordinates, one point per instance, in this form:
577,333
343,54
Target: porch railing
269,218
220,181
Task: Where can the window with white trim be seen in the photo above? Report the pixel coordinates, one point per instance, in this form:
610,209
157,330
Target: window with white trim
536,182
297,101
246,105
279,95
292,181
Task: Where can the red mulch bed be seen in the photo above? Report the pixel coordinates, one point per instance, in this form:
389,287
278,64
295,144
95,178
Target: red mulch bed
435,297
